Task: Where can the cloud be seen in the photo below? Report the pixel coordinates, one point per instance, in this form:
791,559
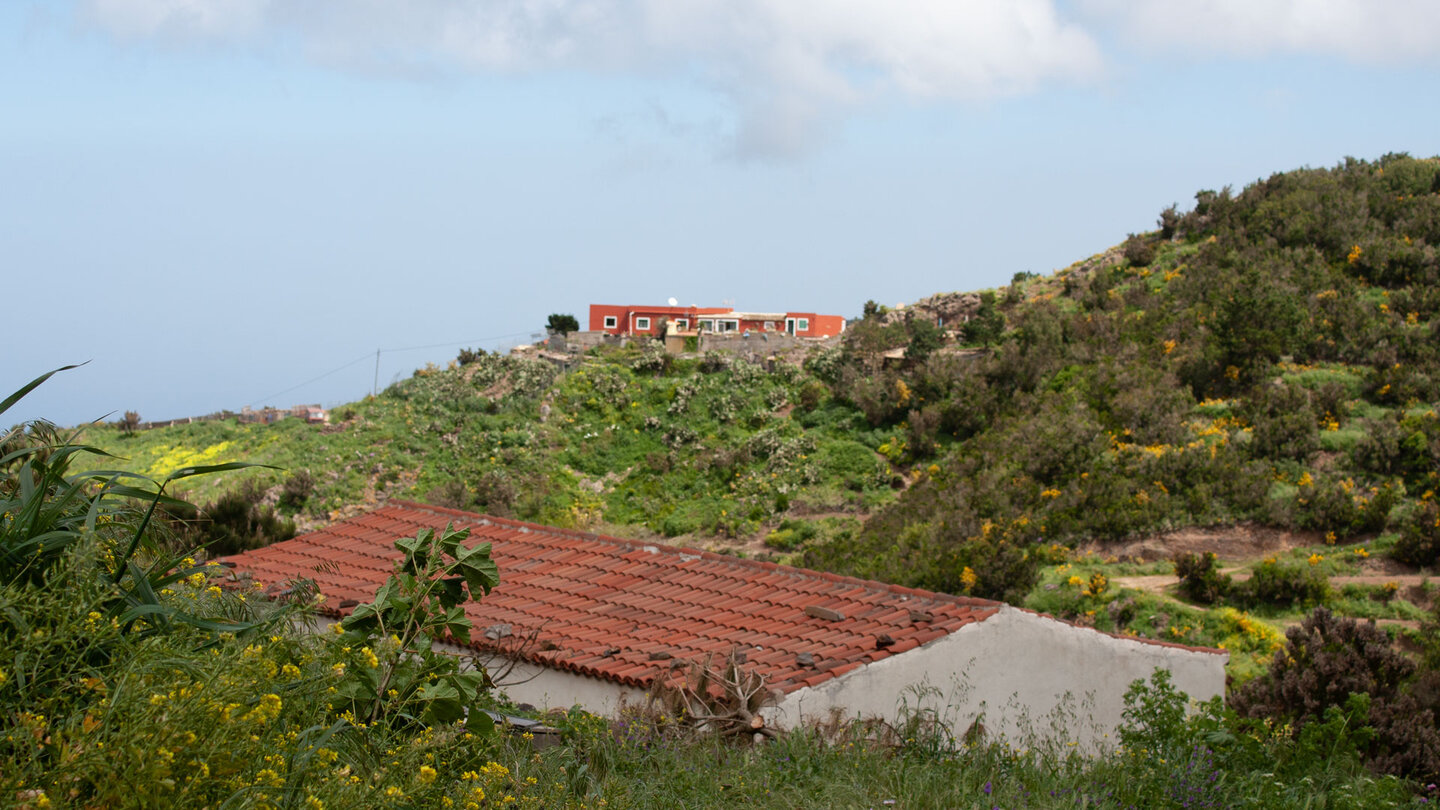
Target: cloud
791,69
1367,31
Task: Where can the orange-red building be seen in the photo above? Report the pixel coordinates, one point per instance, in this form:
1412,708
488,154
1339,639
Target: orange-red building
646,320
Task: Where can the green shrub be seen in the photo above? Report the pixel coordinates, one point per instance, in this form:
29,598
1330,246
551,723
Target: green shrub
1284,424
1200,579
1286,584
791,534
850,464
1419,542
297,489
238,521
1138,251
986,325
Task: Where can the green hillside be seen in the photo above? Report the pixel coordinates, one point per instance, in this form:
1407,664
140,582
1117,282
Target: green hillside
1268,359
1220,433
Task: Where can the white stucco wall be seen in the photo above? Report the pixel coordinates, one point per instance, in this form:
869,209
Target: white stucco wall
546,688
1018,673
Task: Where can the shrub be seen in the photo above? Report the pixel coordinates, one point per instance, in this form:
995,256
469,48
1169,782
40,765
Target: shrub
1344,508
1329,660
923,427
791,534
1138,251
985,326
715,361
1283,421
653,359
1325,660
238,521
990,568
468,356
925,338
812,393
1200,580
1419,542
1285,585
850,464
1169,222
297,489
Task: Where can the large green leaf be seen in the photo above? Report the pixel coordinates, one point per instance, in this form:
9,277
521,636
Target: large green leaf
33,384
480,572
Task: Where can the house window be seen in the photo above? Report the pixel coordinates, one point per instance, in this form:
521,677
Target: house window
610,322
802,324
707,326
729,325
682,323
642,323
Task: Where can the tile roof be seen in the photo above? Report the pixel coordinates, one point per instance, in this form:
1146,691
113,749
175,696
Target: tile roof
627,611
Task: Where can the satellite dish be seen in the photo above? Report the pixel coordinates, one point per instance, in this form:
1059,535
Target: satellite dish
673,302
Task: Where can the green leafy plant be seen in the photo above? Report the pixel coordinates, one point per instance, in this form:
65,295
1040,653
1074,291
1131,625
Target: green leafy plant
400,676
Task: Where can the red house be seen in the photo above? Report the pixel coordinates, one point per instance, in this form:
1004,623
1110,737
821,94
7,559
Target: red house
644,320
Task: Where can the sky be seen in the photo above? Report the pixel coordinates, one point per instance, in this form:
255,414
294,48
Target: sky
222,203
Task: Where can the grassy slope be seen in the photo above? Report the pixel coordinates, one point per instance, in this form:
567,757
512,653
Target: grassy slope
708,451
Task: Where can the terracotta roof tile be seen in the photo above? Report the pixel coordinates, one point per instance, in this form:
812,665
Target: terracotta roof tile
587,593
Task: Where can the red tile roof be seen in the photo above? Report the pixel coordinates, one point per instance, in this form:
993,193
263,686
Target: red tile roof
614,609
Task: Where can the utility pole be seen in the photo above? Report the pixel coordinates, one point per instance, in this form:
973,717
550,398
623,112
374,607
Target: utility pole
375,386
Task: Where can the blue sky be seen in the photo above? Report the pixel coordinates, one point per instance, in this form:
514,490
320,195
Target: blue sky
217,201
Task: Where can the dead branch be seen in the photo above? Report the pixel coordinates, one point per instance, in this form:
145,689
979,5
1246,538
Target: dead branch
724,700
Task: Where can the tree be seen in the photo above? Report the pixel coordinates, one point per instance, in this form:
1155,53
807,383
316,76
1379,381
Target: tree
562,324
130,422
925,337
985,326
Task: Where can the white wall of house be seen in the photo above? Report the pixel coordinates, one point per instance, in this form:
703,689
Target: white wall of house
547,688
1019,674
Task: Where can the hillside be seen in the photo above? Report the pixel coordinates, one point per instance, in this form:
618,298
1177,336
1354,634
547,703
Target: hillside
1266,360
1221,433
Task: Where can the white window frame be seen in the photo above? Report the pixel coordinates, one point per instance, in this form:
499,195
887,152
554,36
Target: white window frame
682,323
611,321
802,324
727,324
706,325
642,323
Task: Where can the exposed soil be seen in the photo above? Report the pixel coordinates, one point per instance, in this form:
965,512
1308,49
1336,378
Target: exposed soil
1239,542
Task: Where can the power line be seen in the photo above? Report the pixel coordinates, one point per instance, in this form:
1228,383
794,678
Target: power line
379,352
362,357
